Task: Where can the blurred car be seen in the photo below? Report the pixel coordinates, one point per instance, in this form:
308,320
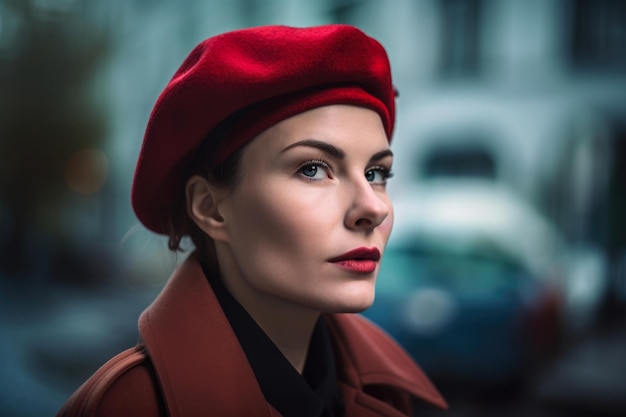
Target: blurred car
466,284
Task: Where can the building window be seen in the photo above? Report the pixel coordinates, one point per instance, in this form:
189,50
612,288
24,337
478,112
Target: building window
460,37
342,11
598,35
466,159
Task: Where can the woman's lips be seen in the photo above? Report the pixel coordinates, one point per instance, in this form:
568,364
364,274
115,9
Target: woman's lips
361,260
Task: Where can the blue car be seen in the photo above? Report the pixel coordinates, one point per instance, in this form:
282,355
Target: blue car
465,306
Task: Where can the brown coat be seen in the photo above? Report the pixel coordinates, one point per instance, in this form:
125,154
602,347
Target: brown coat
190,364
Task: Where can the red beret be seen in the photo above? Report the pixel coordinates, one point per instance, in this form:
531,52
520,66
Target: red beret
274,72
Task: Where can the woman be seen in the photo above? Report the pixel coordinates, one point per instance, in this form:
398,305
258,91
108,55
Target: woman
270,148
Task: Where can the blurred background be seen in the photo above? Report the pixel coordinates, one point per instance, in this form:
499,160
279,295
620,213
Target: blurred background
505,276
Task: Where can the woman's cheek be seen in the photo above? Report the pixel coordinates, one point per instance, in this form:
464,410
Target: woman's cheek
387,224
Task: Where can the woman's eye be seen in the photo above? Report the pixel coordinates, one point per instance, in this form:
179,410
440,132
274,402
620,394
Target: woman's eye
315,170
378,175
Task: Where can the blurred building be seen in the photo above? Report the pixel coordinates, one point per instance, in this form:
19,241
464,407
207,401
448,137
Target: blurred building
529,93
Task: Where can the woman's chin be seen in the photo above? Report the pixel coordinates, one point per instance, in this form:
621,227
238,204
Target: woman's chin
353,302
357,308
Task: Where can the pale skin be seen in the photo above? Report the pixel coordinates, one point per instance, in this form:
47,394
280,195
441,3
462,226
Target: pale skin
312,187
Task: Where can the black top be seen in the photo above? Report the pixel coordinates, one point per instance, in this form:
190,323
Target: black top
314,393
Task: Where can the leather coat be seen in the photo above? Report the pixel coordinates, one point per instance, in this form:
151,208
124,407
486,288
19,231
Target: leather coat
189,363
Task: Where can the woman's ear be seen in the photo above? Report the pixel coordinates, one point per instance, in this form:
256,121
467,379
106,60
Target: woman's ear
203,207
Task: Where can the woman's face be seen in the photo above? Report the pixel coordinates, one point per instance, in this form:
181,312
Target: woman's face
310,215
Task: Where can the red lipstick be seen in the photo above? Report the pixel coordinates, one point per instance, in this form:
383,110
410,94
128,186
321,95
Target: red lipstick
361,260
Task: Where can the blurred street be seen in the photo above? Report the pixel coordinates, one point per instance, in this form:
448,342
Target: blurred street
587,380
54,339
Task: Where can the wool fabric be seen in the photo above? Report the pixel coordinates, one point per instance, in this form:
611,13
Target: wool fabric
242,83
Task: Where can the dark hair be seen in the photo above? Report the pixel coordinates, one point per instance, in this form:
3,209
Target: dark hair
224,175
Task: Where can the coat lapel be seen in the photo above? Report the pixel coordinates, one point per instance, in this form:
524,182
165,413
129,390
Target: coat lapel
200,365
369,358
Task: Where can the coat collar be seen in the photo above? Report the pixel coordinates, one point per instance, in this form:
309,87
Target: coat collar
368,356
202,369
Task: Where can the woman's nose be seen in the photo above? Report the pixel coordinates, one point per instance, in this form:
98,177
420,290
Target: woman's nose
368,208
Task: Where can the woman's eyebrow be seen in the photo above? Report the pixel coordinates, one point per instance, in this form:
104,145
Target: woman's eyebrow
333,150
380,155
323,146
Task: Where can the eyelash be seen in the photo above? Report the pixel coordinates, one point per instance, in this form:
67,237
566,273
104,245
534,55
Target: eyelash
312,163
384,171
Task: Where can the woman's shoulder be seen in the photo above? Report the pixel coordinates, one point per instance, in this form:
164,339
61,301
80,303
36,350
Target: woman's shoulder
125,385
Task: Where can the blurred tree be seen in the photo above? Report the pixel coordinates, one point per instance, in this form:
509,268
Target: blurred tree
48,60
